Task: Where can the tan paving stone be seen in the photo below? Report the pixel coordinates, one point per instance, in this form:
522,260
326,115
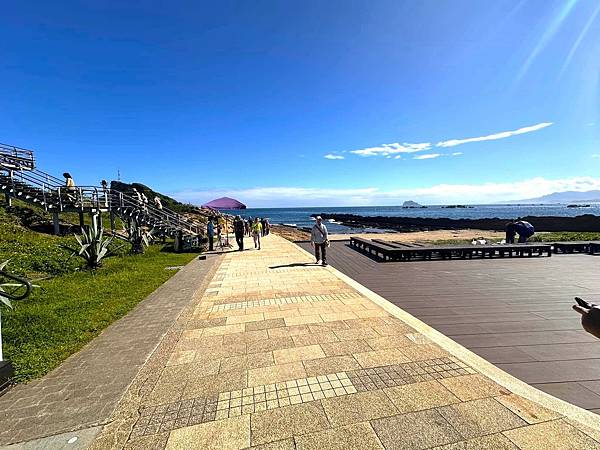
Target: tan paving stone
370,313
314,338
480,417
343,348
237,319
277,424
385,342
208,354
381,358
213,384
233,433
491,442
358,436
293,354
418,430
182,372
360,407
356,333
246,337
265,324
223,329
276,373
245,362
286,444
269,345
301,320
424,351
332,364
419,396
330,317
392,330
556,434
328,326
471,387
526,409
181,357
155,441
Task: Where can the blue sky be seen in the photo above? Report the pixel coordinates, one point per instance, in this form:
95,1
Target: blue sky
248,99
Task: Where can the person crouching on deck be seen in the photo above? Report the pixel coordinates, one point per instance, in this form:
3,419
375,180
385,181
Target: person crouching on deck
320,240
524,229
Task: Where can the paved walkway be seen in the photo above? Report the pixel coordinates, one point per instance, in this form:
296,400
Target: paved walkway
84,391
279,353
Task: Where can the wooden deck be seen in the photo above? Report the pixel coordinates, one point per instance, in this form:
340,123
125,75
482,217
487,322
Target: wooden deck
516,313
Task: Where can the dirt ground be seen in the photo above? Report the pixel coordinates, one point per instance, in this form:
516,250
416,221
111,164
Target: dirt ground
293,234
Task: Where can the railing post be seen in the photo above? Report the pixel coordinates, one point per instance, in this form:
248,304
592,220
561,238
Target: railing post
56,223
59,192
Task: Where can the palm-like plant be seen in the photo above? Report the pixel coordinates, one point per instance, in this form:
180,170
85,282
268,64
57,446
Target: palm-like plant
93,246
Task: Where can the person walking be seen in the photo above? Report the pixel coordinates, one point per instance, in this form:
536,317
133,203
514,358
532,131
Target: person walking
238,229
247,227
210,232
70,187
262,223
319,239
267,227
256,232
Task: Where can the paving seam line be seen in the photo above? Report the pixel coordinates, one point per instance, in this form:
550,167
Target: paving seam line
486,368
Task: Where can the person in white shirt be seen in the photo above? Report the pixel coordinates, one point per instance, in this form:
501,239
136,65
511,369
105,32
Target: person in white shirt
319,239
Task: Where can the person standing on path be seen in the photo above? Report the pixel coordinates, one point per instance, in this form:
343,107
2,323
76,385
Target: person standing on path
319,239
256,232
210,232
238,229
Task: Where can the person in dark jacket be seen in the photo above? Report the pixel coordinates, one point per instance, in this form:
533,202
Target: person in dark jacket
524,229
238,229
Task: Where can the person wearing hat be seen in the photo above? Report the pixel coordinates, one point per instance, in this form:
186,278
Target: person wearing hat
319,239
238,229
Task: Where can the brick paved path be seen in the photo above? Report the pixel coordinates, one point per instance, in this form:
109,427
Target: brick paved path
284,353
85,389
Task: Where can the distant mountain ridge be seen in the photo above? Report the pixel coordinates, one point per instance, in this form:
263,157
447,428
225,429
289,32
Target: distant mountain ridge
564,197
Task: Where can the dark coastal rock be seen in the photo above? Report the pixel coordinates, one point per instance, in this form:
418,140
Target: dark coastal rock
586,222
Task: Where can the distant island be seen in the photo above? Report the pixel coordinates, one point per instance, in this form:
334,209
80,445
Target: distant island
411,204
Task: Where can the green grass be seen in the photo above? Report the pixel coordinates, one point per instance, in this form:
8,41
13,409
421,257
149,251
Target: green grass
543,236
565,236
72,305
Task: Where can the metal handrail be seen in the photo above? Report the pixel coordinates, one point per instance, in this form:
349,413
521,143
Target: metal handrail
97,198
22,156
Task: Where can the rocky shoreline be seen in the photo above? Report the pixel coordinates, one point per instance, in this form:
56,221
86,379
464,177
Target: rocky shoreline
586,222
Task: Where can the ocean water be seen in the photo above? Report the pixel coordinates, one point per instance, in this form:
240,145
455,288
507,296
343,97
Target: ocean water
301,217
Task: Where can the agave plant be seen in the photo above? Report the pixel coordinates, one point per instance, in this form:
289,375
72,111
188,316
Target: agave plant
14,289
138,236
93,246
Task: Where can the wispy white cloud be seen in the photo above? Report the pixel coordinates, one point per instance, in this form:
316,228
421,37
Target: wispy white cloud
596,155
436,194
388,150
391,149
495,136
427,156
